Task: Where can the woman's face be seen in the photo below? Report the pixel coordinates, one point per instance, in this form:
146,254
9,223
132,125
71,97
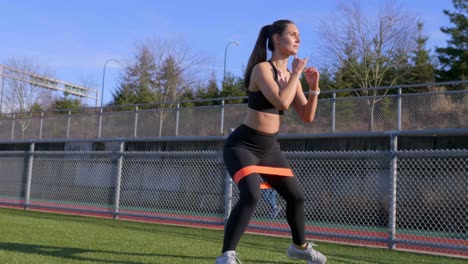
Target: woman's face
288,42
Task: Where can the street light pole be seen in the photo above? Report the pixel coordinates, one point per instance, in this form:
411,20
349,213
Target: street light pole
104,77
225,54
222,84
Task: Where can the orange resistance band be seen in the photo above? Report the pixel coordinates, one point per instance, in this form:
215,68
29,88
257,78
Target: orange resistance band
240,174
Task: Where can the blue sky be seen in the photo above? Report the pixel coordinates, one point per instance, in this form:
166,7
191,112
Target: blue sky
74,38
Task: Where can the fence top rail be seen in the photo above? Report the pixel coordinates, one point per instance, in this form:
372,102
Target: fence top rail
431,132
434,132
403,86
176,104
398,95
346,153
380,153
432,153
377,154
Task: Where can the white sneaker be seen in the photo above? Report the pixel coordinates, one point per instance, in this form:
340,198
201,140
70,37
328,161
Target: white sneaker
228,257
309,254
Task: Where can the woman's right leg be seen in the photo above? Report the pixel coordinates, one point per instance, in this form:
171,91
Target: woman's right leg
249,192
241,154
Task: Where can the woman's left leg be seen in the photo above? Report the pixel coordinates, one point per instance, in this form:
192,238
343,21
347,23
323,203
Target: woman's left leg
290,189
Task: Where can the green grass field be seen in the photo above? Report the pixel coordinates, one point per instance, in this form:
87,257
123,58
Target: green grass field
28,237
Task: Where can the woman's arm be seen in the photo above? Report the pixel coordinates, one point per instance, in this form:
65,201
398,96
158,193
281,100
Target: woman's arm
304,107
281,98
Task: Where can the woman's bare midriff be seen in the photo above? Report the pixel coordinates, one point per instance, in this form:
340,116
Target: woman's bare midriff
262,122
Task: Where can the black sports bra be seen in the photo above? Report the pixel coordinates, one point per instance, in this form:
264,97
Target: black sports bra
258,101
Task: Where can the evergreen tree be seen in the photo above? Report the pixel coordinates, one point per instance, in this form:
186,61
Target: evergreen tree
422,70
453,59
343,76
187,97
168,81
65,103
212,91
399,70
125,93
36,108
233,87
168,89
209,91
138,82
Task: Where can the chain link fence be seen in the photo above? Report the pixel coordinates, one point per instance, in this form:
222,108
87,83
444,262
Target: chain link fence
414,200
442,105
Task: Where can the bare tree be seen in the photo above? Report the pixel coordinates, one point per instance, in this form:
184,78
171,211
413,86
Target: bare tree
185,65
21,95
178,68
87,80
370,52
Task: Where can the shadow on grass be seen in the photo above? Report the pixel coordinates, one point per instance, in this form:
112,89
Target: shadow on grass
147,227
151,229
73,253
340,254
207,235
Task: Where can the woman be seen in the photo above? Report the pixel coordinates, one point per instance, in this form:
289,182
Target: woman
252,152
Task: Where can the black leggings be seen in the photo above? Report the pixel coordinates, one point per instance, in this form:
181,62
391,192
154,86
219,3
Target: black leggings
251,156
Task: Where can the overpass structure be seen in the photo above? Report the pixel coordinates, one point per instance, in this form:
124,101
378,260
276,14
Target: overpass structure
7,72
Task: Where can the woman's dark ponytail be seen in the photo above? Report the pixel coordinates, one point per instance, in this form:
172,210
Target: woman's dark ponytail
259,53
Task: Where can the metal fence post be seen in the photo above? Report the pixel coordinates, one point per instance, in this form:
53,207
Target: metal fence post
13,127
393,190
135,128
227,193
68,124
160,122
100,123
399,110
222,117
227,197
334,112
29,175
41,125
177,120
118,180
